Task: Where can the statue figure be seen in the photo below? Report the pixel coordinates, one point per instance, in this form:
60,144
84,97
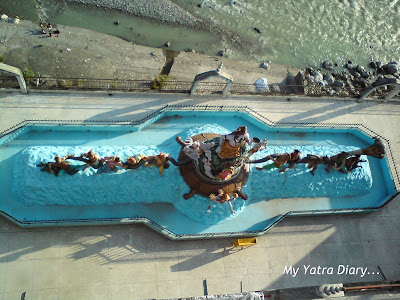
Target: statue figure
210,161
94,160
343,162
59,164
259,145
134,162
90,158
313,161
160,161
222,198
294,159
339,161
346,164
111,164
194,149
291,159
229,145
207,168
226,173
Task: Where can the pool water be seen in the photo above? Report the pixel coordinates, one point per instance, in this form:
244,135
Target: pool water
34,198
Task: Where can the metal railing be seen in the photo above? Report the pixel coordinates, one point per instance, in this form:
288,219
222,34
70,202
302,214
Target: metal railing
173,86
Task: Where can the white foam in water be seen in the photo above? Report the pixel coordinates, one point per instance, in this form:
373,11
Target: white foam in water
145,185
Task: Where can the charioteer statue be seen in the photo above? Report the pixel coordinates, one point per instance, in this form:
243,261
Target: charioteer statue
218,162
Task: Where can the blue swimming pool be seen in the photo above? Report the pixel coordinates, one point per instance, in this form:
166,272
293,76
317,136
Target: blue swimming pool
34,198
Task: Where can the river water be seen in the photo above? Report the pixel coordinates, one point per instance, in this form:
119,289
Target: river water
291,32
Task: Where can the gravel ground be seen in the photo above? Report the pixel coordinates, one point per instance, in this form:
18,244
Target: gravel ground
160,10
165,11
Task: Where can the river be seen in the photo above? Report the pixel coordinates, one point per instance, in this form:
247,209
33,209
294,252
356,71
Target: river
299,33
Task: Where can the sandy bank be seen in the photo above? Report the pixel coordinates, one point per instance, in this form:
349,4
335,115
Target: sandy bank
82,53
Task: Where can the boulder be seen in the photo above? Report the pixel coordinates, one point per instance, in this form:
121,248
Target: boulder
275,88
392,68
365,74
319,78
327,65
348,66
339,84
265,66
261,85
359,69
330,80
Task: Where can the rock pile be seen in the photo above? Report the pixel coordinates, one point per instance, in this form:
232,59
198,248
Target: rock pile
349,79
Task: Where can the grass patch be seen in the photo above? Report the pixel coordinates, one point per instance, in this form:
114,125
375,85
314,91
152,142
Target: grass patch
28,74
159,82
78,83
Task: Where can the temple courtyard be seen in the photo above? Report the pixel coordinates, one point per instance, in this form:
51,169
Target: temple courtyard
134,262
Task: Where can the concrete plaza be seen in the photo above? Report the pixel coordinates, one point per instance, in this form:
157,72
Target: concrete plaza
134,262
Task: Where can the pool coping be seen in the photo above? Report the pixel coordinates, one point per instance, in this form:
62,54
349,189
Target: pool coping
156,115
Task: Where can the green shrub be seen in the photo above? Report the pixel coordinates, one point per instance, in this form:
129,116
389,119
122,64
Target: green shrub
78,83
2,58
28,74
159,82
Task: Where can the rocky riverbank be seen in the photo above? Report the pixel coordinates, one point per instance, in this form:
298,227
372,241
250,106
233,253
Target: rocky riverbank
332,79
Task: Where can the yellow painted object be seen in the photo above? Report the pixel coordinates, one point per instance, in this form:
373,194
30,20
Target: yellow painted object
244,242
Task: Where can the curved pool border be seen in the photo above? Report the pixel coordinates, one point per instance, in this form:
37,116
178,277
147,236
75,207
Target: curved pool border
363,131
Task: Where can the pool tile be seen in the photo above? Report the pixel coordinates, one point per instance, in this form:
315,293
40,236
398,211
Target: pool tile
22,246
189,268
14,295
43,294
68,293
73,243
98,292
96,272
165,270
145,290
235,258
169,289
49,242
216,286
121,291
19,276
144,271
120,273
191,287
236,284
214,267
45,274
72,273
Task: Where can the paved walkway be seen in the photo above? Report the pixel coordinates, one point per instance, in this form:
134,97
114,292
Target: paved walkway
132,261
